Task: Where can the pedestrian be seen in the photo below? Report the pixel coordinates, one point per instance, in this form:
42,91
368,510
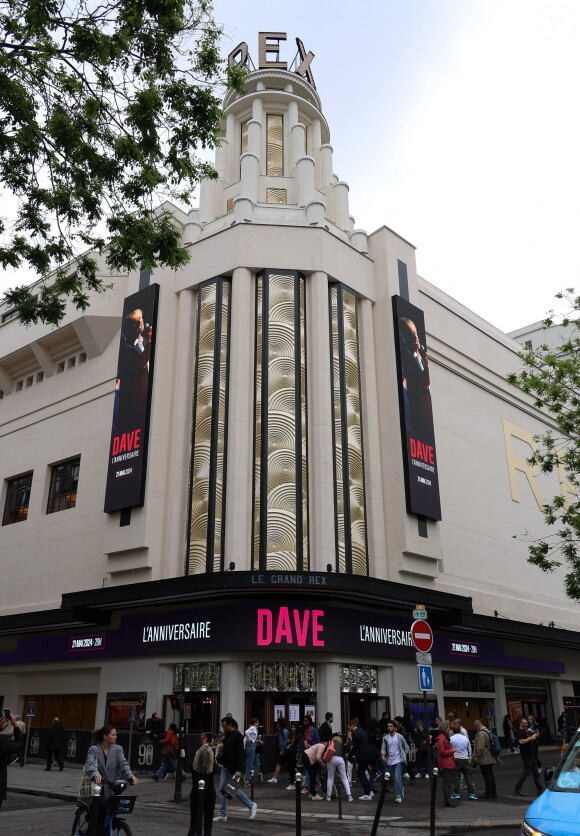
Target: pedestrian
336,764
282,736
309,737
250,744
527,740
325,729
202,770
19,759
482,756
55,745
105,761
364,758
291,753
310,758
508,733
401,726
446,763
232,760
394,751
462,756
154,726
169,751
421,738
8,747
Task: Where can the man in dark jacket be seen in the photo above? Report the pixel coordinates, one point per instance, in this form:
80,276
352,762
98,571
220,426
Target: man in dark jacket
363,756
232,761
55,745
8,747
325,729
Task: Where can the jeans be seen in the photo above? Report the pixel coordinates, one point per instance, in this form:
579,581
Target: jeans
530,768
396,770
310,773
446,786
367,785
489,779
422,762
239,794
250,759
336,763
169,761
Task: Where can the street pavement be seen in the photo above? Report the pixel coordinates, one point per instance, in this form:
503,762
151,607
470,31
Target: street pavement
276,804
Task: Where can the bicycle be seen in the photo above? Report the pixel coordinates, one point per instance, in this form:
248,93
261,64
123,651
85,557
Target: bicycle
114,825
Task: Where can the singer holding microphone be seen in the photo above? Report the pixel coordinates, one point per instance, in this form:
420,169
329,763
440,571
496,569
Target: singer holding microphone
415,373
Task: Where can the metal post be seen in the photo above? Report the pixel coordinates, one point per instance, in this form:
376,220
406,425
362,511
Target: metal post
94,811
432,776
379,809
199,815
252,785
178,781
130,741
298,782
27,739
338,785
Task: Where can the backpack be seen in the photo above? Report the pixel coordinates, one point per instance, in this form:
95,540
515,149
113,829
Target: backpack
494,744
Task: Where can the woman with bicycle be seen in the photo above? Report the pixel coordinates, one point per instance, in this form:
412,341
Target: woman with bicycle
105,761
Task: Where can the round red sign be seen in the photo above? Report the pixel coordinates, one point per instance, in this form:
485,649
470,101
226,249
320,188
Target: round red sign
422,636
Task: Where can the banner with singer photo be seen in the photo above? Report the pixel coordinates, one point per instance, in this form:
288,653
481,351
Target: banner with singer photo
417,432
130,431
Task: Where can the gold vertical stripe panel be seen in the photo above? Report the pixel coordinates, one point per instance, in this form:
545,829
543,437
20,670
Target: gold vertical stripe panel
244,137
281,531
354,436
258,420
202,438
274,146
221,424
337,415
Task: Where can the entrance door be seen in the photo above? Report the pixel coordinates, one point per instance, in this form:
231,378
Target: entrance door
363,706
202,706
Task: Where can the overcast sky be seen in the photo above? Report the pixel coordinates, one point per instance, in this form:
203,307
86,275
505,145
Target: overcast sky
455,123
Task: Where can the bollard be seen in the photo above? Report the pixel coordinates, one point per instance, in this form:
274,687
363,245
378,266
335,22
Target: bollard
379,810
252,785
93,829
199,812
298,782
338,786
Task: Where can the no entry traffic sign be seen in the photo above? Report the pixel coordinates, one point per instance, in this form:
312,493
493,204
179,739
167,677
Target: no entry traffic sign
422,636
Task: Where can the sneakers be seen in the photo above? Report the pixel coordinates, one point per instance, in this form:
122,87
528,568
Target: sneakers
427,776
350,798
398,799
253,810
455,795
272,781
220,818
473,796
406,775
305,790
316,798
519,792
290,787
367,797
328,798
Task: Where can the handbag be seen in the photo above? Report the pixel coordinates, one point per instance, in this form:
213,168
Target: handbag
165,750
231,786
329,752
86,785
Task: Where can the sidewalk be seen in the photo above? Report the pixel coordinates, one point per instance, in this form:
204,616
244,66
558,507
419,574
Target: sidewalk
409,818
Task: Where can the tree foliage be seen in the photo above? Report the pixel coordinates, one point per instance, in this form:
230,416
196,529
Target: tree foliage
104,107
552,377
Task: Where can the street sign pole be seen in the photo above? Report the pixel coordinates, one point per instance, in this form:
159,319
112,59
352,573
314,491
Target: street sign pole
422,636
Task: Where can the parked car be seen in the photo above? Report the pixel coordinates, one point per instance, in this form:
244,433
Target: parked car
557,811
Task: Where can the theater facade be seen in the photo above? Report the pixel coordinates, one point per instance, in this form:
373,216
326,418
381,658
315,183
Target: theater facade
238,480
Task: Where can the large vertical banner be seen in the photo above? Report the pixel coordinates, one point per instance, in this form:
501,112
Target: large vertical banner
130,431
417,432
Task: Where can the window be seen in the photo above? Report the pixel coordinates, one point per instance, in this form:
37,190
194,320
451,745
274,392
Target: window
17,498
63,486
8,316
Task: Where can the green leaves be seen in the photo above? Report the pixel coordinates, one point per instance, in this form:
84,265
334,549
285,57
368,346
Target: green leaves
552,377
102,111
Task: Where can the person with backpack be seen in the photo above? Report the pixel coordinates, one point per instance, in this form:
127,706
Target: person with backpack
484,758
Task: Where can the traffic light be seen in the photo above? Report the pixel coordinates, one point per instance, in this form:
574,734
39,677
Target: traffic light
177,702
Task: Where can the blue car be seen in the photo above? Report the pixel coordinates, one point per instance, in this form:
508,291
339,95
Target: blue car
557,811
